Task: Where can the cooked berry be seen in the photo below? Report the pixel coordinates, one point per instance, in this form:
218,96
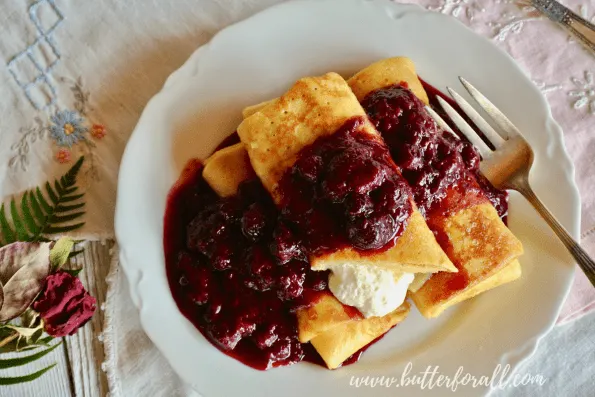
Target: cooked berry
222,256
265,336
309,167
280,351
285,246
373,232
359,205
290,284
254,222
317,281
433,161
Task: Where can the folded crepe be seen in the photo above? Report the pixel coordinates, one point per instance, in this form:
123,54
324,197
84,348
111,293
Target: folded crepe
480,245
315,107
227,168
340,342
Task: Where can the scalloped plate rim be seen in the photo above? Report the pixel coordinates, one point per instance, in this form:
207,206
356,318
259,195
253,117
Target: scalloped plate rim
135,274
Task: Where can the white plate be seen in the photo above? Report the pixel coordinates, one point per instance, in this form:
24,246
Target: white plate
259,59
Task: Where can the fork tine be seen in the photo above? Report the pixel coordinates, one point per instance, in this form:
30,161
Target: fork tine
440,121
499,118
466,129
479,121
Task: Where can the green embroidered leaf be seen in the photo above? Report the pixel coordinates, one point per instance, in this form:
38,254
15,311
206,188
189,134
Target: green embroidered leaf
26,378
60,252
15,362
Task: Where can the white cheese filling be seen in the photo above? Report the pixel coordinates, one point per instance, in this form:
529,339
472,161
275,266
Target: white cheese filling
373,291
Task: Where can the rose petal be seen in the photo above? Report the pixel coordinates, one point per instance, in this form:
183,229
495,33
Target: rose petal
64,305
25,267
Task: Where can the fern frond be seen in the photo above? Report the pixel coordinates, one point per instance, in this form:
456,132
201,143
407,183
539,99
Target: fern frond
26,210
18,361
65,208
8,235
68,199
51,193
71,190
75,253
63,229
22,234
44,204
26,378
43,214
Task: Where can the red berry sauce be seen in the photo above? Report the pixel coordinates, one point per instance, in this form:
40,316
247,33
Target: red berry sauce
238,268
345,191
433,161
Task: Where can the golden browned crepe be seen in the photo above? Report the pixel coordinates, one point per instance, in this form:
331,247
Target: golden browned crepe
327,312
340,342
227,168
250,110
387,72
479,244
274,135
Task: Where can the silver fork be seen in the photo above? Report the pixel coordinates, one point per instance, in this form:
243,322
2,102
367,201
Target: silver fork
508,166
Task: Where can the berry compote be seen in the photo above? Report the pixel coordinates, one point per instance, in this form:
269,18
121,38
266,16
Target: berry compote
440,167
237,272
345,191
238,267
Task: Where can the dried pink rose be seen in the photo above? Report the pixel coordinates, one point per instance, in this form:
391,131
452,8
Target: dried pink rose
64,304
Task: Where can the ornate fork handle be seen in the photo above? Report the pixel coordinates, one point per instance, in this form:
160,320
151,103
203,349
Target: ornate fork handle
582,258
580,28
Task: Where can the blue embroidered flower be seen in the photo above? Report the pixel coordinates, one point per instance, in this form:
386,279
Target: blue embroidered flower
67,128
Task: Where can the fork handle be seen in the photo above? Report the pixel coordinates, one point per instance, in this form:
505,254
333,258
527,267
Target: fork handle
579,254
581,29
